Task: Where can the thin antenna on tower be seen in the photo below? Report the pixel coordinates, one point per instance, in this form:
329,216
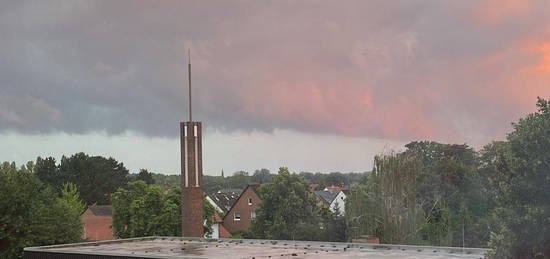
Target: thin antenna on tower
189,69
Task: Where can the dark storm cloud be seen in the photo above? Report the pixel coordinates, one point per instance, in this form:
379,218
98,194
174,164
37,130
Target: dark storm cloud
448,70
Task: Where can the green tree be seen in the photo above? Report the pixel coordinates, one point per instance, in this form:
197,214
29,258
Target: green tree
32,213
70,196
174,179
145,210
46,170
96,177
521,180
287,211
361,211
397,214
335,226
209,211
262,176
429,194
450,192
145,176
336,179
142,210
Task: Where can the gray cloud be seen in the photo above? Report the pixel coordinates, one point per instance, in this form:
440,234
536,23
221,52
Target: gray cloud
393,69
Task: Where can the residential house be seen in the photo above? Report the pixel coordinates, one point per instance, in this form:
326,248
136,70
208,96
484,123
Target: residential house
98,222
240,215
225,198
334,199
218,230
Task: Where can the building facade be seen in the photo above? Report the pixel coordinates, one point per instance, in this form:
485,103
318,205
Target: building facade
335,200
98,223
243,212
218,230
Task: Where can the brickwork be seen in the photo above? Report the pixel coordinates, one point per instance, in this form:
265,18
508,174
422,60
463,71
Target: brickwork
96,227
223,232
192,179
193,212
244,209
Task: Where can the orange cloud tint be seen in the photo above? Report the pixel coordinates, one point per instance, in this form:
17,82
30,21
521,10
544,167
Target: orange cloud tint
496,11
542,50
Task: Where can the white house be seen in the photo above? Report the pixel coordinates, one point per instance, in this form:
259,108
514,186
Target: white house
217,225
334,199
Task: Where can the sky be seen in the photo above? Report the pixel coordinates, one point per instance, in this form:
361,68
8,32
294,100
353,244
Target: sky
312,85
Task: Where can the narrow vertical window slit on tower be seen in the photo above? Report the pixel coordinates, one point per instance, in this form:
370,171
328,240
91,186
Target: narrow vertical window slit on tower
185,158
196,157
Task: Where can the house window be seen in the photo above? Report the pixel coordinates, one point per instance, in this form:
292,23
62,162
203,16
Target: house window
249,201
237,216
252,214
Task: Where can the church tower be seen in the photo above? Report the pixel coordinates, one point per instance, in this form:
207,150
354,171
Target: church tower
191,172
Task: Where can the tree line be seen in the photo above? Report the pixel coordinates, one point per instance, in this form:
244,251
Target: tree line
240,179
41,201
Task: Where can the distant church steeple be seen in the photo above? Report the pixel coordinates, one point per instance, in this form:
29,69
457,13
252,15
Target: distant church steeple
222,174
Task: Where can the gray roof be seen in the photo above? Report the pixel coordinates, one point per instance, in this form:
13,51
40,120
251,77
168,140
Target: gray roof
102,210
236,191
178,247
225,200
327,195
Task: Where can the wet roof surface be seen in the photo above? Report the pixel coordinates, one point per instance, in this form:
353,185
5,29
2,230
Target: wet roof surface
175,247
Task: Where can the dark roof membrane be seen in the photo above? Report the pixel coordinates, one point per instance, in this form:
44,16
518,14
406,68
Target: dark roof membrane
178,247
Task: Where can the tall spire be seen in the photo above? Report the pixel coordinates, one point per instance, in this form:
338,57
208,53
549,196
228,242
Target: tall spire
189,69
191,170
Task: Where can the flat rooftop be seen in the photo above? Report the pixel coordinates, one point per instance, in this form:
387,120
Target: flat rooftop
178,247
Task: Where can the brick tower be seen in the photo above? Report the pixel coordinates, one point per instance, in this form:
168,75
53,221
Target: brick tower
191,172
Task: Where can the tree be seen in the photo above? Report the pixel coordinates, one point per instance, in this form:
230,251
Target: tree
335,224
262,176
521,178
32,213
287,211
70,196
361,211
450,192
46,170
209,211
145,210
430,194
336,179
145,176
174,179
397,217
96,177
